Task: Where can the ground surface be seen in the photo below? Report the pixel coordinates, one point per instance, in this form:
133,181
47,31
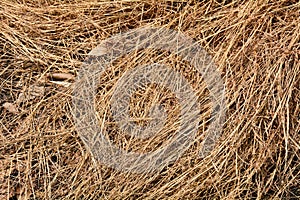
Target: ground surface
255,46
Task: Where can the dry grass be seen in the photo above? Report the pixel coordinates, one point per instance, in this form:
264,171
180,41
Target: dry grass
256,46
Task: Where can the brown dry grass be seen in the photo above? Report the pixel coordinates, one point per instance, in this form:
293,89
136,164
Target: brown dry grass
256,46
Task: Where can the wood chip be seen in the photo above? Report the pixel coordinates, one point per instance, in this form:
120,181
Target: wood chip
61,76
62,83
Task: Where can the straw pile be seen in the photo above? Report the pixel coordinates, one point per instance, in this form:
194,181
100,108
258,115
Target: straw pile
255,46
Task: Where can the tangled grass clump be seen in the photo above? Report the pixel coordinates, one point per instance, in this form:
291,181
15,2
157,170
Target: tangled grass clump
255,46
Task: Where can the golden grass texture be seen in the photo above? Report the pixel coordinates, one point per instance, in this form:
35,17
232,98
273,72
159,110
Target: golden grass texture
255,46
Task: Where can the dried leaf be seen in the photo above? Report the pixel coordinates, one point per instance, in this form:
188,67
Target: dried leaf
99,51
10,107
31,93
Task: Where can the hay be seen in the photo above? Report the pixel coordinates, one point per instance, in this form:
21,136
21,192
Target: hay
255,46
